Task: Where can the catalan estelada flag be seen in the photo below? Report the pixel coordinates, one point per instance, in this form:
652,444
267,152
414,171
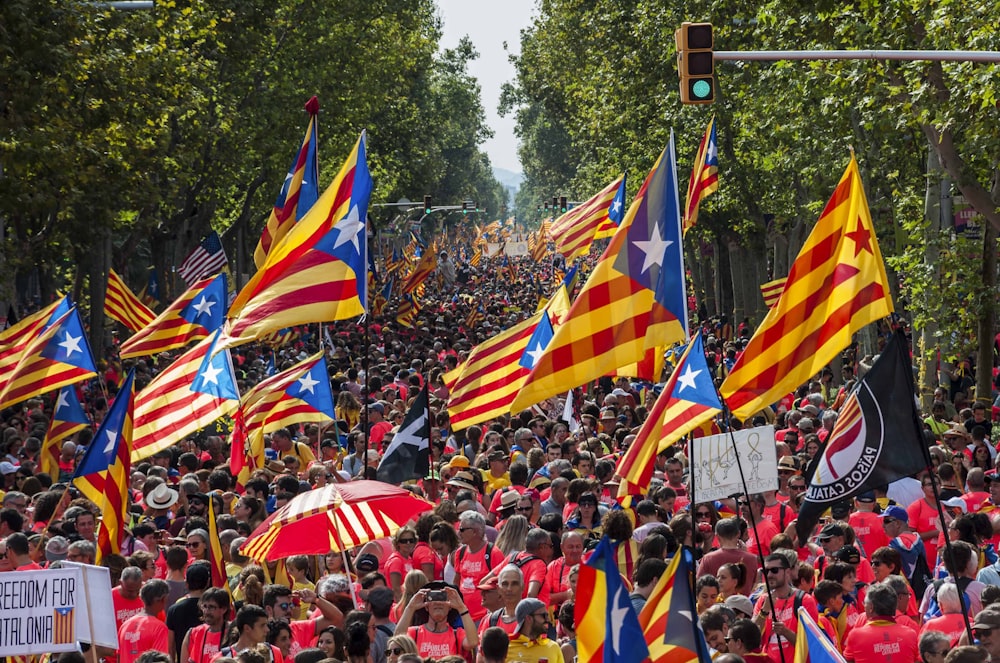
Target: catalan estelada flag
298,192
68,418
836,286
423,269
575,231
812,645
688,399
669,619
704,176
123,305
633,302
150,293
493,374
607,629
56,357
16,338
317,272
296,395
104,471
63,626
476,315
198,312
408,310
188,395
215,557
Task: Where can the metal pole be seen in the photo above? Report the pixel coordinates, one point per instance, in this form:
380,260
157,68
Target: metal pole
875,54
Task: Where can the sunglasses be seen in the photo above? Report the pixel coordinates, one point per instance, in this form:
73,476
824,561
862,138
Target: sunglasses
775,570
703,514
786,471
285,606
525,509
405,541
465,529
982,632
888,521
877,562
394,651
194,544
791,487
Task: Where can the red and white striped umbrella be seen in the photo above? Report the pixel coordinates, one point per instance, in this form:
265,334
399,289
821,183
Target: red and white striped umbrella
335,517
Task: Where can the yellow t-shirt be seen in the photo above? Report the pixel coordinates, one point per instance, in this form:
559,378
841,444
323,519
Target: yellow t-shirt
493,483
304,608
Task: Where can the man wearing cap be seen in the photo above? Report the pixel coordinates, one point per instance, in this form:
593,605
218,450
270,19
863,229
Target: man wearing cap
986,629
908,544
497,476
866,523
881,639
833,537
531,641
377,425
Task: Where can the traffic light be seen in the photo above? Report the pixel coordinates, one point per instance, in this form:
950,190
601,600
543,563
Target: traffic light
469,206
555,204
696,63
562,204
427,204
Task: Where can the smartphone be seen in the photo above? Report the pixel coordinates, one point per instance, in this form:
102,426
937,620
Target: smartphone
437,595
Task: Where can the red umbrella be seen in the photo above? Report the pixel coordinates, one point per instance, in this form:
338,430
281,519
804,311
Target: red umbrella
335,517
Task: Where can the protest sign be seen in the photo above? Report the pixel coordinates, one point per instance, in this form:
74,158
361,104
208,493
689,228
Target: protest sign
714,471
39,611
99,625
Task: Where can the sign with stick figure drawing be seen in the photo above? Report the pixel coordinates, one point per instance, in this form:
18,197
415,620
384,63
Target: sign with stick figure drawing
715,470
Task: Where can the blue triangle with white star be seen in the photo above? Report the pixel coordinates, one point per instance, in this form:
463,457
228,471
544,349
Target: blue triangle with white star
313,387
694,381
215,376
616,212
68,407
208,307
103,448
540,339
69,344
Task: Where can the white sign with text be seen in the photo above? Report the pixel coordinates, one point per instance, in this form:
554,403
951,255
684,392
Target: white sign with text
714,470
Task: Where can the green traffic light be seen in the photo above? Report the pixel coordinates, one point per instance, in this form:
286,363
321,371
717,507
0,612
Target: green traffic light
702,89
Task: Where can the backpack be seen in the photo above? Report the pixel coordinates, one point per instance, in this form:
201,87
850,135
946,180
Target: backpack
460,555
521,562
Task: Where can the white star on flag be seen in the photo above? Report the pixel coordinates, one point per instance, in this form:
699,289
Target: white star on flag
211,375
348,229
616,206
618,613
687,378
112,438
654,248
204,306
306,383
71,344
61,401
535,354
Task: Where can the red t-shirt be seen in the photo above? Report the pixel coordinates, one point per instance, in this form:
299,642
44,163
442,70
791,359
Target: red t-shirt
534,570
396,563
767,531
868,528
881,641
784,611
303,633
424,554
952,625
470,569
124,608
437,645
924,518
141,633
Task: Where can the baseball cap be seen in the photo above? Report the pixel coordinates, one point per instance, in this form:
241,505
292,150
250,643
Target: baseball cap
491,583
987,618
56,549
830,530
957,503
867,496
740,603
848,554
525,608
366,563
896,513
458,461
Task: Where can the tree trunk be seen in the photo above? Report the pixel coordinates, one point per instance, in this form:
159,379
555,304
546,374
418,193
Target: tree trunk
927,347
738,273
99,266
987,317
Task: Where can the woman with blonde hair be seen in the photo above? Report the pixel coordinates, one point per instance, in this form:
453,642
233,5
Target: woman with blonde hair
400,562
348,409
399,645
513,535
413,583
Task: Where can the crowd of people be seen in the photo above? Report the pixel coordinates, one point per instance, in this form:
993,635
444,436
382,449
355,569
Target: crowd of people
519,502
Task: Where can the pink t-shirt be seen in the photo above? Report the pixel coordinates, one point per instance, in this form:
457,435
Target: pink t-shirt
437,645
881,641
141,633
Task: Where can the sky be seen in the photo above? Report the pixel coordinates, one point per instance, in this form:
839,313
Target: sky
489,23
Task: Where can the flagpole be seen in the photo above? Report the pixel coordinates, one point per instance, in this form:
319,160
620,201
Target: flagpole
753,520
364,393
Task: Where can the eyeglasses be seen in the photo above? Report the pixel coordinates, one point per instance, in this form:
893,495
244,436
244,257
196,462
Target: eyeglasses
394,651
19,505
403,542
193,544
775,570
525,509
285,606
982,632
786,471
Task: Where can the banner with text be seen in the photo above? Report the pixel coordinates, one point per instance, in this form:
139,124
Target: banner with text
39,611
714,470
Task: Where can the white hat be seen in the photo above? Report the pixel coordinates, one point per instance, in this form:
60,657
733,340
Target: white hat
162,497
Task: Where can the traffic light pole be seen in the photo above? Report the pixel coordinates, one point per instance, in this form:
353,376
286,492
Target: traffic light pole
906,56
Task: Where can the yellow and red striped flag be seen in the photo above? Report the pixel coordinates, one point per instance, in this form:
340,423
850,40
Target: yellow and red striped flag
104,471
298,394
423,269
575,231
318,272
298,192
836,286
704,176
771,291
191,317
15,338
493,374
191,393
669,619
215,557
68,418
121,304
687,400
57,357
633,302
408,310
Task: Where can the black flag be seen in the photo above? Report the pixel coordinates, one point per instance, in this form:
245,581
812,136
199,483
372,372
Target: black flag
877,438
408,455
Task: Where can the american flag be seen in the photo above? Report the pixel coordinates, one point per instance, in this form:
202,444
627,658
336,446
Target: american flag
207,258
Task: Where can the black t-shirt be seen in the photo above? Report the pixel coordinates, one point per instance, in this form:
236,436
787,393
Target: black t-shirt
182,617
